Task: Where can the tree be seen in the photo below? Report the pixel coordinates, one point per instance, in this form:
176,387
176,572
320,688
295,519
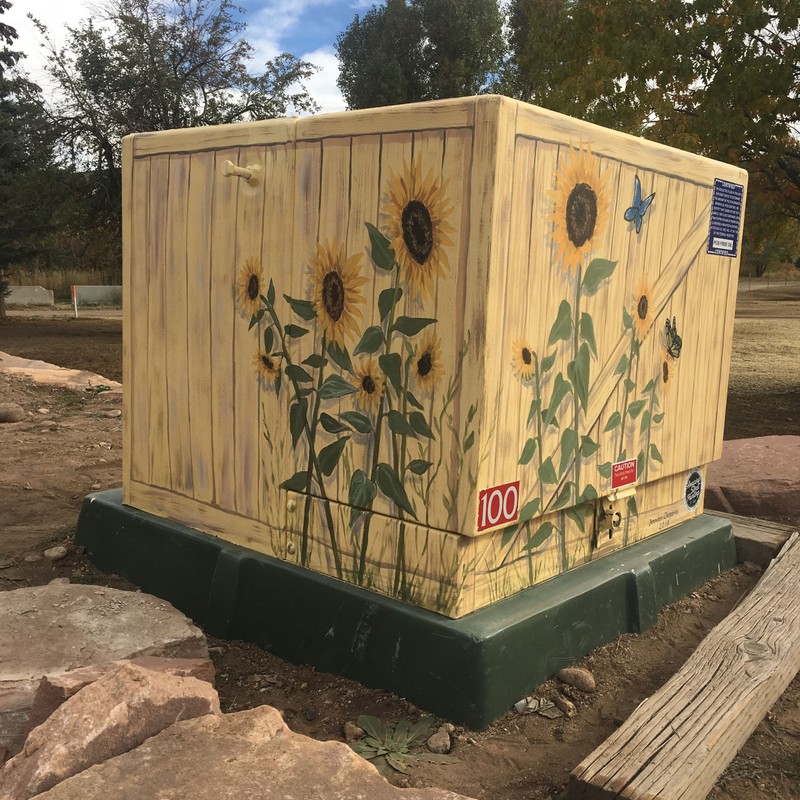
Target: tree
23,151
153,65
716,78
411,50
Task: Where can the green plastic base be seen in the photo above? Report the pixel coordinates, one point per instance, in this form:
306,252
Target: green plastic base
469,670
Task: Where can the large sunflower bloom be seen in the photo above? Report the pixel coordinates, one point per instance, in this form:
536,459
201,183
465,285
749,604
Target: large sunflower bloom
427,364
642,311
369,385
415,212
335,285
267,367
580,209
250,286
523,360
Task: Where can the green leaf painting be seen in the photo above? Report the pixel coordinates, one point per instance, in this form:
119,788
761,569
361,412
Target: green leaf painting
543,533
528,452
329,456
391,487
335,386
411,326
391,365
380,248
598,270
303,308
371,341
387,300
562,327
357,421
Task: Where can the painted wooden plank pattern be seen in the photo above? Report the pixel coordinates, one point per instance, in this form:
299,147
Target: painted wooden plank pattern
683,200
455,336
135,275
456,112
549,125
216,138
396,156
334,218
176,333
220,522
363,200
158,429
223,308
676,743
277,244
246,392
691,358
502,284
670,278
199,332
494,157
127,316
517,390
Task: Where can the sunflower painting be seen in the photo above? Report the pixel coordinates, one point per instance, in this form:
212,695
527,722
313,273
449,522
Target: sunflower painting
250,287
427,362
642,311
667,372
369,386
580,211
336,283
415,220
267,367
522,360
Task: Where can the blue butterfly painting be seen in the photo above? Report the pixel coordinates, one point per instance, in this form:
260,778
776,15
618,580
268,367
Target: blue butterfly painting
639,208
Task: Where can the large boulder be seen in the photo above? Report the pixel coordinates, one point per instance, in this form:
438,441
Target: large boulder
49,630
249,755
757,477
53,690
106,718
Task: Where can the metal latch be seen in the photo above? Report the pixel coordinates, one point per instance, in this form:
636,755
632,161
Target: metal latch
609,514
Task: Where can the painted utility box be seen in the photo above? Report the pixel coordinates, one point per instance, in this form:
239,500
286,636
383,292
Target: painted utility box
443,351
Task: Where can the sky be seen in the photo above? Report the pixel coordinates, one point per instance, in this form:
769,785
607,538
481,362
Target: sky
305,28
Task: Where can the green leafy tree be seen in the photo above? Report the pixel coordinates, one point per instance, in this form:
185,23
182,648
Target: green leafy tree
153,65
717,78
25,156
411,50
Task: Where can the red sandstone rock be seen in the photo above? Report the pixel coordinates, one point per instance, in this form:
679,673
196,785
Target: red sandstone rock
250,755
106,718
53,690
48,630
757,477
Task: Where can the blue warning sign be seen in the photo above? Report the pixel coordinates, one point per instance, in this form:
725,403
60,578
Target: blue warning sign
726,217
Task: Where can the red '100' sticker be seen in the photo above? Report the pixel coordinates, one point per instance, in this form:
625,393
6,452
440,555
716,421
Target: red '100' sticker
498,505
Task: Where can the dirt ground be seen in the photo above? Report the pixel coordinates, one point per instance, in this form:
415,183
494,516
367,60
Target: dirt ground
49,461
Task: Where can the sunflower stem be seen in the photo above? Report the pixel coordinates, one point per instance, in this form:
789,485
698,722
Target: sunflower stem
400,565
312,453
376,444
577,411
626,397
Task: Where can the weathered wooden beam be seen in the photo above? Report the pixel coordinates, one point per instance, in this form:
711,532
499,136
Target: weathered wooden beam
677,743
757,540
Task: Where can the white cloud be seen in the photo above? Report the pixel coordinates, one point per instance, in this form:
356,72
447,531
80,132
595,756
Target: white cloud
322,86
56,15
266,27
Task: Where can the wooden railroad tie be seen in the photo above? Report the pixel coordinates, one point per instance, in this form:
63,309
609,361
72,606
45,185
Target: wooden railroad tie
678,742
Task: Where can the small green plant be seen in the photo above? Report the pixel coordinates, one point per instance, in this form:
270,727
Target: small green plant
392,744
